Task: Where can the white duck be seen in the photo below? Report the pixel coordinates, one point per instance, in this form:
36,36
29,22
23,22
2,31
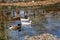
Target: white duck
26,23
22,19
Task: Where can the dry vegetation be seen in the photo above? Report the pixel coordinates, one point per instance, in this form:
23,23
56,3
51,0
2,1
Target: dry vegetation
31,3
45,36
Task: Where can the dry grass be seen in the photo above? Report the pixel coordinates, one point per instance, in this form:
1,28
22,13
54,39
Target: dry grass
31,3
45,36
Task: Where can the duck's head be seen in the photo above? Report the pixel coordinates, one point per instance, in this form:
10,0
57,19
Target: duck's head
19,24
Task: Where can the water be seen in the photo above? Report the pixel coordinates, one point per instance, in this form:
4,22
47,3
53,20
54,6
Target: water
53,27
19,35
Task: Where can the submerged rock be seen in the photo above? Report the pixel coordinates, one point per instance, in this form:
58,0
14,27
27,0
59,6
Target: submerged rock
45,36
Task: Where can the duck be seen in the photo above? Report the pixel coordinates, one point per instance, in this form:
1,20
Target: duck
22,19
26,23
15,27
